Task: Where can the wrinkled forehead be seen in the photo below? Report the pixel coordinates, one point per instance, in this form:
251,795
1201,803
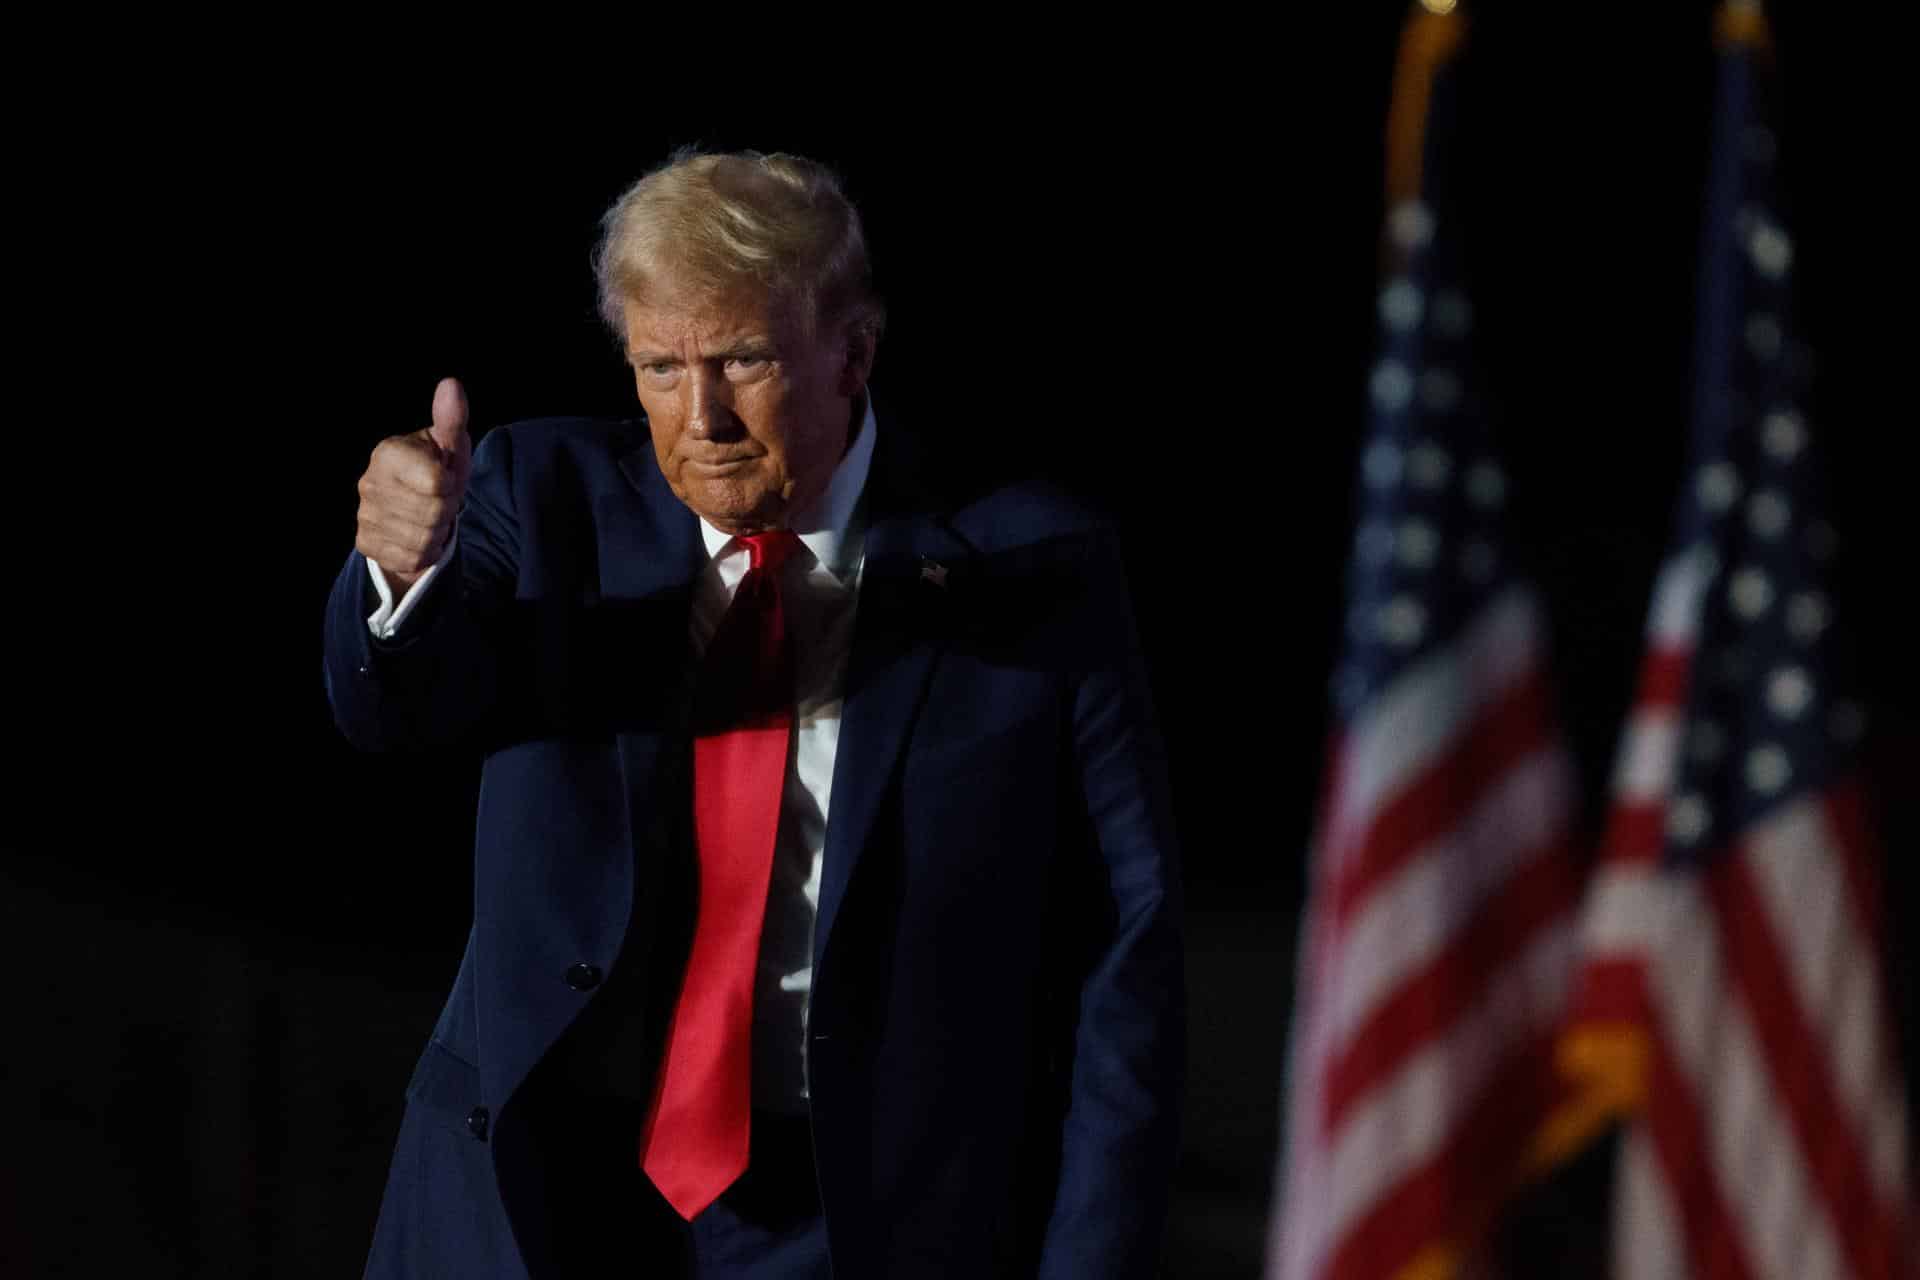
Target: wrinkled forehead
704,321
686,302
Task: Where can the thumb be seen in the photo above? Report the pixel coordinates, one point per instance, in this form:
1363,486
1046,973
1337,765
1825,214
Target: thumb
449,429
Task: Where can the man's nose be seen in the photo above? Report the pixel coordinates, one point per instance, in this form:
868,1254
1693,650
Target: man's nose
710,414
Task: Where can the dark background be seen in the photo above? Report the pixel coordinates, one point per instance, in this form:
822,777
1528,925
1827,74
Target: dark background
1143,265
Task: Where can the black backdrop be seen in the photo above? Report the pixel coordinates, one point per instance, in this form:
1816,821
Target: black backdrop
1145,269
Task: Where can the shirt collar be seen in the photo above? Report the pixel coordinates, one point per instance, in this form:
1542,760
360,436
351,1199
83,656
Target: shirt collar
824,524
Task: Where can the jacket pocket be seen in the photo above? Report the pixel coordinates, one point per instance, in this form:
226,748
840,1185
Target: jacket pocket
448,1087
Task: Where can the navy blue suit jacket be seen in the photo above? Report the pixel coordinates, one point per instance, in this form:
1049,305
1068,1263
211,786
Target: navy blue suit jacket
997,1020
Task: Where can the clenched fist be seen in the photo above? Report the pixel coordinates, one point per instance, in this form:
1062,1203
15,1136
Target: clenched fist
412,488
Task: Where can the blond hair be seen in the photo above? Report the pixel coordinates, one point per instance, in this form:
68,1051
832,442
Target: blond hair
718,223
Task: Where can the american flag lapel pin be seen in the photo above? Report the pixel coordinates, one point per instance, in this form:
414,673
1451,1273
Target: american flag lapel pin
933,571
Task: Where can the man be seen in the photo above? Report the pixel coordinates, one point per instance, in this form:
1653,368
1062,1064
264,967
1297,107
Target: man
825,896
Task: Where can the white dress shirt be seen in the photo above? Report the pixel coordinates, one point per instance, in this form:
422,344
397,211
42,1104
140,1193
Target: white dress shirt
819,593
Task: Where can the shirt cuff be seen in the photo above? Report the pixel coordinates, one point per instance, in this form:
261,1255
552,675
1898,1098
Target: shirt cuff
385,621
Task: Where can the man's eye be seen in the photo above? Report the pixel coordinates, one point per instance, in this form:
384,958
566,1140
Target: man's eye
658,368
747,362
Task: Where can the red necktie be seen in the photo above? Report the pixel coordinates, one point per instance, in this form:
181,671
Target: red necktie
694,1143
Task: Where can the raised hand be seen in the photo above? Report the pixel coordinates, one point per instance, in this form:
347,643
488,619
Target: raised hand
411,490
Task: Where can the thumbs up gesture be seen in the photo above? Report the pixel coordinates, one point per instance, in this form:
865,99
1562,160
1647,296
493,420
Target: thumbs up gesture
411,490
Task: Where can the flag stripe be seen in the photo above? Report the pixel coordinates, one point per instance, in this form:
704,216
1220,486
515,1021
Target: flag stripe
1827,1143
1512,726
1418,718
1647,1242
1625,904
1418,913
1747,1155
1674,621
1846,806
1636,833
1425,1004
1448,1189
1772,1206
1411,1115
1664,676
1613,990
1798,870
1648,751
1673,1127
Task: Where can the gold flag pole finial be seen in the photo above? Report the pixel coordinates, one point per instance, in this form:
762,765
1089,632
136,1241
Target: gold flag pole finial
1742,22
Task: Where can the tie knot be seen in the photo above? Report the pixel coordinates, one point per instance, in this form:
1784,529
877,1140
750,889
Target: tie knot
771,549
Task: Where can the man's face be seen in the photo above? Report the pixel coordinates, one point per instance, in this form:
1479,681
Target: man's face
749,414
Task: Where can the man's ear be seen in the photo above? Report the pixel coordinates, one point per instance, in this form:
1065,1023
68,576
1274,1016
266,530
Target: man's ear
862,341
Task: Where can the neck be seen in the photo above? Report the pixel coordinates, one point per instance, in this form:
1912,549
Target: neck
856,414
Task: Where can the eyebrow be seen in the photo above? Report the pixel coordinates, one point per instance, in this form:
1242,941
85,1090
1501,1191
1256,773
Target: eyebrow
741,347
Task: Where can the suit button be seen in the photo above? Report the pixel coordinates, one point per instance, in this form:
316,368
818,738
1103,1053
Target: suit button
583,976
477,1123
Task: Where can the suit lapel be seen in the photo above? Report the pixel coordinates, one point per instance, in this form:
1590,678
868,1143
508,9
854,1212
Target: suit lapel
649,555
912,580
652,547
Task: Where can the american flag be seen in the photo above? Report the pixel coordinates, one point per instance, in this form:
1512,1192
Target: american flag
1439,938
1731,1003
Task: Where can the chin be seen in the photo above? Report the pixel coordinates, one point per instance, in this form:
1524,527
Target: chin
746,517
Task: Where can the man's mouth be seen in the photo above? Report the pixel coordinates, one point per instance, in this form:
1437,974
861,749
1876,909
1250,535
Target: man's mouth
718,466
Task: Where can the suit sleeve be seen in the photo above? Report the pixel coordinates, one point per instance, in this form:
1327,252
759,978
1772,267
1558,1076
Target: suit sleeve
433,683
1129,1053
